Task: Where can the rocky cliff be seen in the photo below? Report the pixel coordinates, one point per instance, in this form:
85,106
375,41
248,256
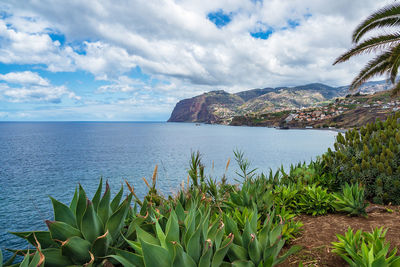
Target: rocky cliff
202,108
221,107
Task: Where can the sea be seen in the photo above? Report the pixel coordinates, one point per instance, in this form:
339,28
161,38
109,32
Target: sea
42,159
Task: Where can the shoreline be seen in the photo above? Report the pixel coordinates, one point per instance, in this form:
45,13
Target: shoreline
339,130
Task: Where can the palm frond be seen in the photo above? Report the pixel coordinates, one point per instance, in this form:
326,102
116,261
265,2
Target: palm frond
377,66
395,62
385,17
369,45
395,90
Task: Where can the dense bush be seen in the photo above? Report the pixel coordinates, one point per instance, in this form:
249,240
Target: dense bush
370,156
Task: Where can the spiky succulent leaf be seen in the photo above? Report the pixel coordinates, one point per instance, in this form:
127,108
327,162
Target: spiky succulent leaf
43,237
97,195
104,210
62,231
63,213
77,249
91,225
117,219
127,258
80,206
155,255
53,257
220,253
117,199
182,259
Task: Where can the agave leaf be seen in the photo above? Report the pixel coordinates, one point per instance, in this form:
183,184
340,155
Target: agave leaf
246,234
63,213
100,245
135,245
172,228
154,255
77,249
205,259
212,231
116,200
54,258
103,210
193,247
275,234
37,260
132,226
91,225
80,207
97,195
74,202
190,223
180,212
129,258
143,235
218,237
160,235
25,262
117,219
220,253
43,237
253,221
254,250
62,231
181,259
237,253
231,227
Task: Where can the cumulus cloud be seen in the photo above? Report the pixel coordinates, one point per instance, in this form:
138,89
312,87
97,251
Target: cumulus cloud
28,86
24,77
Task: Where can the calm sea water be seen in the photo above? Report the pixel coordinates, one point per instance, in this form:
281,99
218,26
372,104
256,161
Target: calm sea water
51,158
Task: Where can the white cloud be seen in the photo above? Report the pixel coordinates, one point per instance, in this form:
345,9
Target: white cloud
51,94
24,77
29,86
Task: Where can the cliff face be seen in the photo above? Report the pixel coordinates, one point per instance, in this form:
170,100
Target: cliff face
202,108
221,107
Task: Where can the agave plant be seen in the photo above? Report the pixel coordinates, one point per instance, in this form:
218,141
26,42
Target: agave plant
315,201
257,248
187,239
351,200
83,232
363,249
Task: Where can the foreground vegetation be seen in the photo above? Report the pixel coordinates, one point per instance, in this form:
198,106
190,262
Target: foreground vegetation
214,223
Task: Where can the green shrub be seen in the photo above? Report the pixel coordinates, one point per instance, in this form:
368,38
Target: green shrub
364,249
315,201
351,200
371,157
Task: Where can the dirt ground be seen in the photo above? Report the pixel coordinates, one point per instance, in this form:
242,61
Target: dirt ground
320,231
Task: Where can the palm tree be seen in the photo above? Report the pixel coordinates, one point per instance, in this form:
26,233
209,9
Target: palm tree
387,44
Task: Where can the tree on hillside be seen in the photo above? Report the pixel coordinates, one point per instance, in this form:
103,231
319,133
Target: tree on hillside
386,45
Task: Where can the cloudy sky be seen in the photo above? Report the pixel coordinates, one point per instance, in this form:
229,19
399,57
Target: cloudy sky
134,59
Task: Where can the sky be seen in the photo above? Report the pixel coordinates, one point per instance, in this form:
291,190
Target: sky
132,60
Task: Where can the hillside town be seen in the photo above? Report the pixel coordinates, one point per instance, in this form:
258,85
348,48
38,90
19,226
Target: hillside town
341,105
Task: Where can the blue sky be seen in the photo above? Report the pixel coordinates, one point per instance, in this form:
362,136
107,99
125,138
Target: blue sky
97,61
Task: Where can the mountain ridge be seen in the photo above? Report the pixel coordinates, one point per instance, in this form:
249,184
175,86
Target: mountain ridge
219,106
